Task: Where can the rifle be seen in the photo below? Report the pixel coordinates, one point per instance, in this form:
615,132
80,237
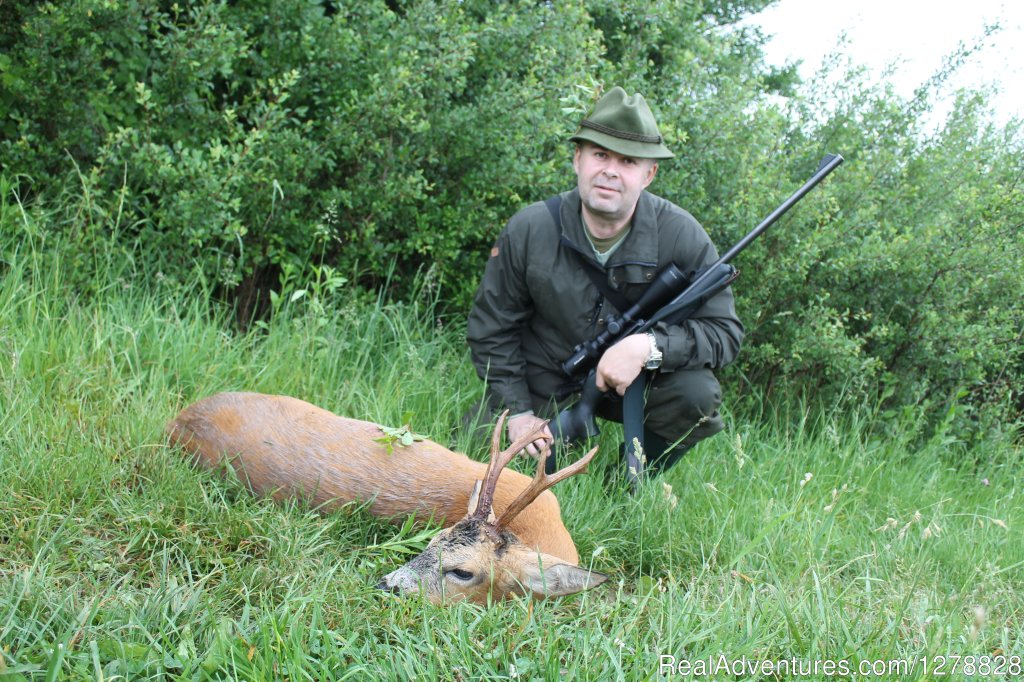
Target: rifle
671,298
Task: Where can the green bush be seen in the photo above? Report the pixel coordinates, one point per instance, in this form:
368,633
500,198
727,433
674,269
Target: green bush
242,138
902,276
239,137
257,146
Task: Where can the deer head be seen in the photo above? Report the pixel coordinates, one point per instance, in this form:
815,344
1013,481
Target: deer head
478,558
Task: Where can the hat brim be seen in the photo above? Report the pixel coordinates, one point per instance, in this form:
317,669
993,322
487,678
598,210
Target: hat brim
632,148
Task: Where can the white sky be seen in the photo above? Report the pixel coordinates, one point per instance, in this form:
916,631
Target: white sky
918,33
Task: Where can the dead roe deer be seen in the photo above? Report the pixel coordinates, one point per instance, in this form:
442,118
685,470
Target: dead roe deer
503,531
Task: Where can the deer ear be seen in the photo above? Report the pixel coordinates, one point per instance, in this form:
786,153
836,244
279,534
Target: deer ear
551,577
474,501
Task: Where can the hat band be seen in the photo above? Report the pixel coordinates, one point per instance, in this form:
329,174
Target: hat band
621,134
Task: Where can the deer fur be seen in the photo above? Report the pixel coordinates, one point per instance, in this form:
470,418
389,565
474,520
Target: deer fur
287,448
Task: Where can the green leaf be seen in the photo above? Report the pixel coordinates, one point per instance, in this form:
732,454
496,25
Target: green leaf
402,436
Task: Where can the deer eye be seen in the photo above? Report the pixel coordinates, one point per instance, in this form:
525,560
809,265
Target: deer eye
460,574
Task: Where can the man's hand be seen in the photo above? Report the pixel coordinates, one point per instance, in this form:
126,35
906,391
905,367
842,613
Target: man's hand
622,363
525,424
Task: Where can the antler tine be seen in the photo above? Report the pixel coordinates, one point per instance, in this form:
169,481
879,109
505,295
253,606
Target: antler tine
494,467
495,443
540,483
498,462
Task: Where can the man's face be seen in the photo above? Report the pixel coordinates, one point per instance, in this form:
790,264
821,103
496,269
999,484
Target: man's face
610,183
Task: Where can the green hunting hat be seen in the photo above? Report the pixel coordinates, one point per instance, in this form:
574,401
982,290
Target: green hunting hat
625,125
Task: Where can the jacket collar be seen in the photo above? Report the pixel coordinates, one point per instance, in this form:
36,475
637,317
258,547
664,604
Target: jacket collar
640,247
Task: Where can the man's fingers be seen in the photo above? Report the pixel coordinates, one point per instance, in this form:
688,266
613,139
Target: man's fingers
607,382
524,424
535,449
621,363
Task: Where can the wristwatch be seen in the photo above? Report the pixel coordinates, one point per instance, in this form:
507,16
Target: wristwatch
654,359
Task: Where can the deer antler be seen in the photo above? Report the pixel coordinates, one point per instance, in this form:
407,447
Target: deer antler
498,462
539,484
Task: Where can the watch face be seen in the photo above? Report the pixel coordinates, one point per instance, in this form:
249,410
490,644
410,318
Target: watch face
654,359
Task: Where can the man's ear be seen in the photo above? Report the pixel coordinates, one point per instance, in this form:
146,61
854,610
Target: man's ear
651,173
474,501
549,576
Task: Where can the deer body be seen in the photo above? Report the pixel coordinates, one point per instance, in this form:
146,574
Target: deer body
287,448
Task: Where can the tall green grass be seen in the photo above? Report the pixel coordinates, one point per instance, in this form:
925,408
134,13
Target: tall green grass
796,535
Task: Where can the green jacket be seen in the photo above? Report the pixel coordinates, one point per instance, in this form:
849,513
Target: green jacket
535,303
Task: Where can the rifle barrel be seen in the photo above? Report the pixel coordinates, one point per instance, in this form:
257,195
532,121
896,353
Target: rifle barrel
827,165
577,422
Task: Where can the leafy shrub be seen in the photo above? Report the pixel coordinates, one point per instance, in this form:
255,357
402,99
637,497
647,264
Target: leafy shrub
252,145
245,135
901,277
